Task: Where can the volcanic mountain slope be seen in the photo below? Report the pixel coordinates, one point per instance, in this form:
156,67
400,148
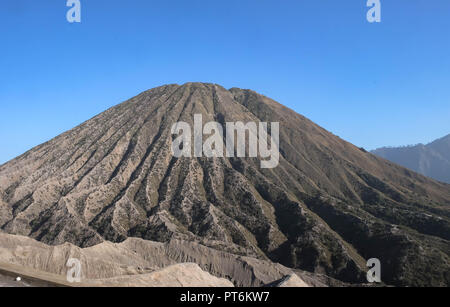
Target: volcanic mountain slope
327,207
432,160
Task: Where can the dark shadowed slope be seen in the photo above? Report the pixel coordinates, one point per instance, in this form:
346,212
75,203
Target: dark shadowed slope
327,208
432,160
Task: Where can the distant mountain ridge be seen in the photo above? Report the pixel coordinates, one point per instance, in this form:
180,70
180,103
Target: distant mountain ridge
432,160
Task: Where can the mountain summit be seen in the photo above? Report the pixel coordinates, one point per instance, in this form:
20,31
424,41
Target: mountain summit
327,207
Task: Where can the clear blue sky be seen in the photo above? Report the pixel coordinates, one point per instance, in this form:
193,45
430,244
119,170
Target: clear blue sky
371,84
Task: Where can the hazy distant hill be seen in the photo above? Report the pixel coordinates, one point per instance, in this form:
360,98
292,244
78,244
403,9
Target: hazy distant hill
432,160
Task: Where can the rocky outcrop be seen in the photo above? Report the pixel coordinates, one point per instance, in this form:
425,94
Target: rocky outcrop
178,275
291,281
